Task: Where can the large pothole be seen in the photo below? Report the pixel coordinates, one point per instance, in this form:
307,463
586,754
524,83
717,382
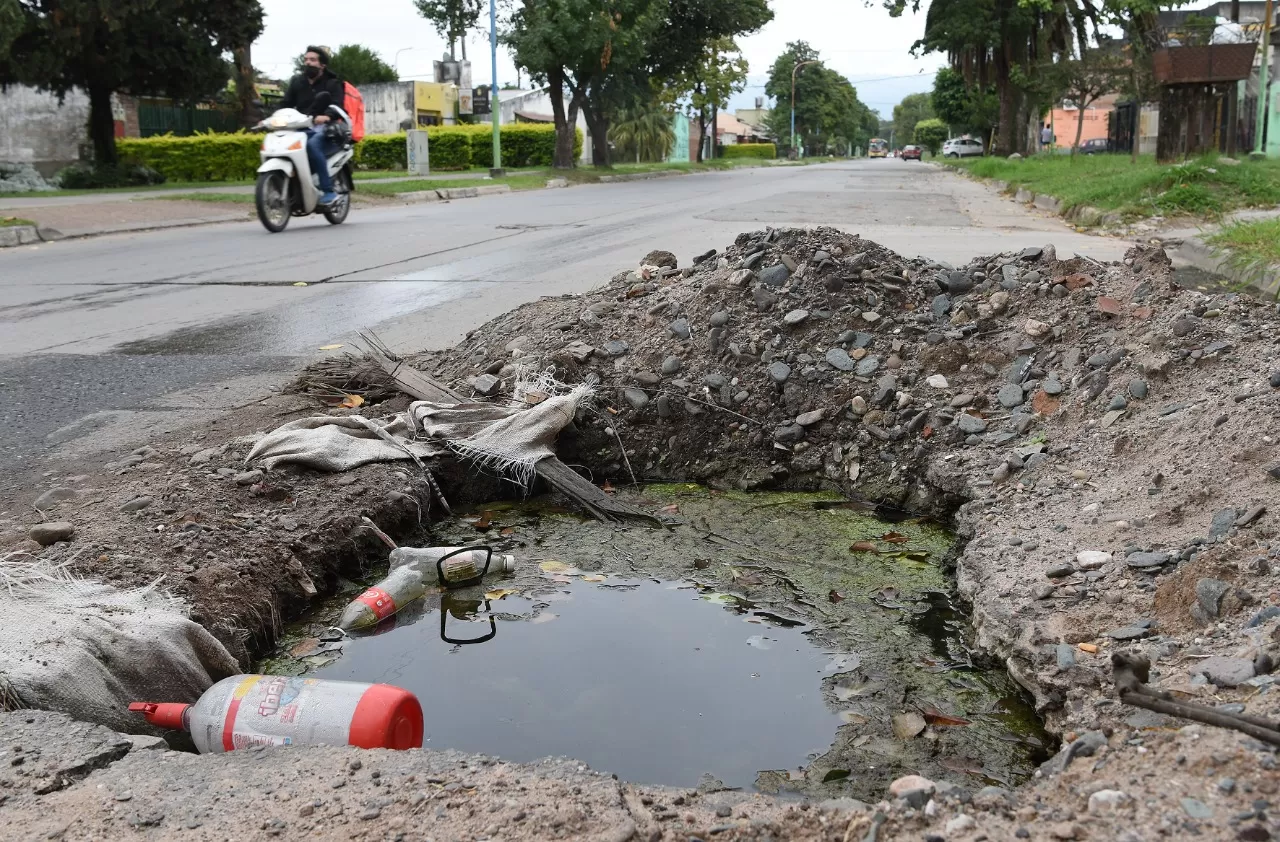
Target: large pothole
787,642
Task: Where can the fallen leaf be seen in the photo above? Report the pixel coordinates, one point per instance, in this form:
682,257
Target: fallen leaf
944,720
1091,648
299,283
1110,306
961,764
907,726
484,521
835,775
894,538
593,577
330,347
853,718
858,691
499,593
351,401
554,567
748,579
719,599
607,488
835,596
534,398
304,647
863,547
510,530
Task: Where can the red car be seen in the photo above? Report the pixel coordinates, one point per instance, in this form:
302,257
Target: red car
912,153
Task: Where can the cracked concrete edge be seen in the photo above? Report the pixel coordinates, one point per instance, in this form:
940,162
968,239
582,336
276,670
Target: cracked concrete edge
25,235
1194,251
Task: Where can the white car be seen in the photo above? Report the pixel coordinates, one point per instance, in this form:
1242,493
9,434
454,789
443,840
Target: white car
962,147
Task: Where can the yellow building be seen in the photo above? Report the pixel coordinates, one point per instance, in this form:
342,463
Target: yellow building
434,103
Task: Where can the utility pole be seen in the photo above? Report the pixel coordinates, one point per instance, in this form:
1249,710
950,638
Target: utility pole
793,96
1258,145
495,105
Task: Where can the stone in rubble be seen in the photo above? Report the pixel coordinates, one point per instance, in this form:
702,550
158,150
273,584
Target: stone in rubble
1010,395
937,381
742,278
672,365
1019,369
1225,671
1035,328
47,534
247,477
54,496
638,398
1274,380
788,434
1031,253
808,419
779,371
839,359
764,299
719,319
664,406
137,504
795,317
714,381
1146,560
1221,524
1092,559
913,789
616,347
774,276
646,378
941,305
661,259
579,351
1117,403
1138,389
519,343
1209,595
868,366
1052,387
971,424
680,329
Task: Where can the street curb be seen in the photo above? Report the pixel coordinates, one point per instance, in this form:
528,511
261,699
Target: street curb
1196,252
639,176
1082,215
25,235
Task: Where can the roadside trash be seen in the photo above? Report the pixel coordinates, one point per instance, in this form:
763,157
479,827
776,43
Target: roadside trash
275,710
417,571
87,649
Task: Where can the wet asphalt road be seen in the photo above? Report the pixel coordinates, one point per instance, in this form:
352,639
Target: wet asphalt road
121,324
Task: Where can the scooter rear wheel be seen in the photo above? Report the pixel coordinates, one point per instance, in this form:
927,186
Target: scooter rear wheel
337,212
271,195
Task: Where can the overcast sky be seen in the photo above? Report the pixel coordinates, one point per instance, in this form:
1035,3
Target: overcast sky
864,44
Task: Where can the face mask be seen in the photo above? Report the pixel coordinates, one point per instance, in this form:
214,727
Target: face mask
312,71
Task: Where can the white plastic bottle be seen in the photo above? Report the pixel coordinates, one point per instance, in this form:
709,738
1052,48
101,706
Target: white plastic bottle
414,574
248,710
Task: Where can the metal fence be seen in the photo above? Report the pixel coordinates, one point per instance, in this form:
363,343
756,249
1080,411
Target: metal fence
181,120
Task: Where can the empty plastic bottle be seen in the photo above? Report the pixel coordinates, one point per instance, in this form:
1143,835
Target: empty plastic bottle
248,710
415,573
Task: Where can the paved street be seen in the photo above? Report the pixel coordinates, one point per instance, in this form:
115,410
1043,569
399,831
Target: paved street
153,330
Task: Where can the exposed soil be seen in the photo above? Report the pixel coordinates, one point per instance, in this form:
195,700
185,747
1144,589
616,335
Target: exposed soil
1032,478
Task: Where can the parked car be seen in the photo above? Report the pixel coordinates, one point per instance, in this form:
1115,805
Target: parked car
912,153
962,147
1095,146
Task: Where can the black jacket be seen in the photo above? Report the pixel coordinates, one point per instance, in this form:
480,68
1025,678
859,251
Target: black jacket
302,92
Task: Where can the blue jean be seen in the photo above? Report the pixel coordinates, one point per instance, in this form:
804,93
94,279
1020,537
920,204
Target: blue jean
317,154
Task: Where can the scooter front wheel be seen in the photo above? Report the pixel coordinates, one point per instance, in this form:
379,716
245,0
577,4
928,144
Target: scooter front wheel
337,212
272,199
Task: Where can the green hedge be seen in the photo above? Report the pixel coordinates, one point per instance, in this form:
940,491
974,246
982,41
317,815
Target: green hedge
749,150
201,157
230,157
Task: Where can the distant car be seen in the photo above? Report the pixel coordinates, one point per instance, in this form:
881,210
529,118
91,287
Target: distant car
912,153
962,147
1095,146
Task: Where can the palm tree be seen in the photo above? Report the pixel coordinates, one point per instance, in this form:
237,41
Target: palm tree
643,132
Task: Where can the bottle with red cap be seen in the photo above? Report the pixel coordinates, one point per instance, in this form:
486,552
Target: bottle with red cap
248,710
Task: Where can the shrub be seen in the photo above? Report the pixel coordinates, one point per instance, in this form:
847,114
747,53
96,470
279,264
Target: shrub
449,150
750,150
523,145
200,157
930,134
81,177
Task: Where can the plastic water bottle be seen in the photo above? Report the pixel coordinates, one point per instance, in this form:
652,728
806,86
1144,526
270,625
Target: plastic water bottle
461,567
275,710
414,573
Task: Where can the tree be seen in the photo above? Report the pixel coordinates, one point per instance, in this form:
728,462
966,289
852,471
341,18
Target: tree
828,114
912,109
643,132
930,134
720,72
452,19
1084,80
603,59
172,48
357,65
963,107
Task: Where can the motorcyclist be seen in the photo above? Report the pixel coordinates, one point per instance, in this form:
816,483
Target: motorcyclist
301,94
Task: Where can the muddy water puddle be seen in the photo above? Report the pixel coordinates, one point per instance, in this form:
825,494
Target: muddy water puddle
786,642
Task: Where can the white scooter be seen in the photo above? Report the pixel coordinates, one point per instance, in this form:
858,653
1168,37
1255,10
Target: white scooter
286,186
